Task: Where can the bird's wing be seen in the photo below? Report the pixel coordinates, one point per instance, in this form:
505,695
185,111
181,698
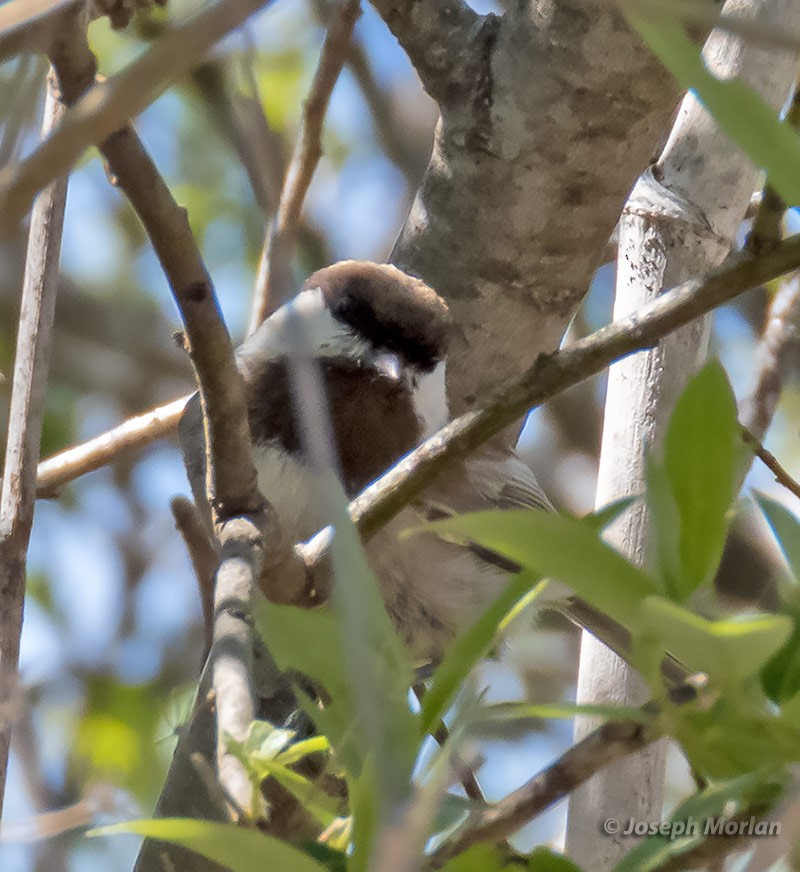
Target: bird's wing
493,479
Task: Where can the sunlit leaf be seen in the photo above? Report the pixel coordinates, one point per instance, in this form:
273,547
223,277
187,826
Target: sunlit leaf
727,650
235,848
515,711
700,453
468,648
563,548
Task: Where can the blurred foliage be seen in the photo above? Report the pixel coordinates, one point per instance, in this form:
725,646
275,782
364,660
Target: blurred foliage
116,738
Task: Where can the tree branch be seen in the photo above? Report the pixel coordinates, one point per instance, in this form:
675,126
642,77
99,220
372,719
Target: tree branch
773,355
771,462
137,432
25,421
108,106
435,35
239,511
609,742
273,283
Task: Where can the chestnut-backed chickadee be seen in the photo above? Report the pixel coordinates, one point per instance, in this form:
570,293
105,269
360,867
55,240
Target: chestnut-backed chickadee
380,337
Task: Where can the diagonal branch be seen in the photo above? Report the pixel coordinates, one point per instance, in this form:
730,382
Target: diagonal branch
609,742
137,432
383,499
273,284
107,107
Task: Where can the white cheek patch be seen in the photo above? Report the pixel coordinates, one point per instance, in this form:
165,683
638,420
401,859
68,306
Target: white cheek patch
325,335
430,400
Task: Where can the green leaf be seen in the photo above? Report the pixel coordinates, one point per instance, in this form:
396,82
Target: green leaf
780,677
786,528
468,648
480,858
700,454
749,121
237,849
516,711
728,650
564,548
542,859
665,526
299,750
602,518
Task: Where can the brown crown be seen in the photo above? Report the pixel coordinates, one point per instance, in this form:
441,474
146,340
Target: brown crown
392,310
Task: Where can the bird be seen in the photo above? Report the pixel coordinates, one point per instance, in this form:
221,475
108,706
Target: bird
380,337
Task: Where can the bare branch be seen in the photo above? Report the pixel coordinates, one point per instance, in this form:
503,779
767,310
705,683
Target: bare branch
28,25
110,104
273,284
239,511
771,462
137,432
25,418
773,356
202,554
609,742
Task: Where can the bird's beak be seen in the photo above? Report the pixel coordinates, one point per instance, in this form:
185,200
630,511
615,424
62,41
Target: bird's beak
389,364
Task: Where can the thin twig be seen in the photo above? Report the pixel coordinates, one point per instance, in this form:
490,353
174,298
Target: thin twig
273,283
771,462
25,417
203,556
441,734
137,432
609,742
393,138
772,358
109,105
